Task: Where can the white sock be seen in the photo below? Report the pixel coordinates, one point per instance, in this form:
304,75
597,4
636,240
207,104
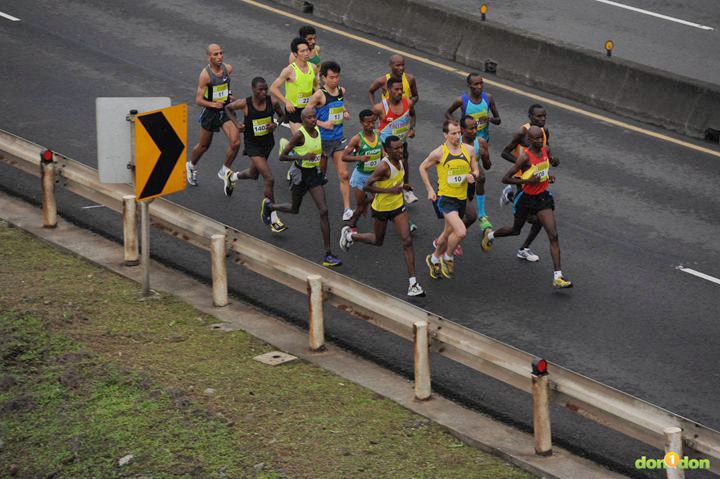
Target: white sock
274,217
234,177
224,169
190,165
558,274
447,257
434,259
412,280
491,235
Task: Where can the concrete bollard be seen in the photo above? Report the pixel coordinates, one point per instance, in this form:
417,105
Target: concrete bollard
49,205
673,443
145,246
421,353
219,270
131,253
315,306
541,414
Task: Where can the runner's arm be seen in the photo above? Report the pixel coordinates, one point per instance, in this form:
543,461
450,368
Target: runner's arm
457,103
508,152
484,153
414,96
520,164
553,161
375,86
346,112
277,109
380,173
495,120
351,148
296,140
203,83
413,120
230,108
275,88
432,159
318,99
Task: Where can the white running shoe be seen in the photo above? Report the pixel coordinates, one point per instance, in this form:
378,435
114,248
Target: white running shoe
410,197
228,182
191,174
528,255
507,195
415,290
345,238
347,214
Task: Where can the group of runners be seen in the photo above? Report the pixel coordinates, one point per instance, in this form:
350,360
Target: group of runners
308,97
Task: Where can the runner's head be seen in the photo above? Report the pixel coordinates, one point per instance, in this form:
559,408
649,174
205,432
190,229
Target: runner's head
309,119
367,120
393,146
301,49
537,115
468,126
395,89
452,132
215,55
475,84
397,65
330,74
308,33
259,88
535,135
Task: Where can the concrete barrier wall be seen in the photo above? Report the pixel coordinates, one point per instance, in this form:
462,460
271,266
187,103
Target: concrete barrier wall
637,91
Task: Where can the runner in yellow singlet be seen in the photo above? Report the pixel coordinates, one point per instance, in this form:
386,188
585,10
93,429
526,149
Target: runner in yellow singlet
456,168
397,70
387,182
300,81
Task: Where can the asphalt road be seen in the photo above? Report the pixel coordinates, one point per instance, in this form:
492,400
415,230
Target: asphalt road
643,38
630,208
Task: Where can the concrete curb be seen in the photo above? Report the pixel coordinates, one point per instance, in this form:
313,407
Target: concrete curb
474,428
637,91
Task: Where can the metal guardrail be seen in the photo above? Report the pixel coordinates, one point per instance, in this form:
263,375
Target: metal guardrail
598,402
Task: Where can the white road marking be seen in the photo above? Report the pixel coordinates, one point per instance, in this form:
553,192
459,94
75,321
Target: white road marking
9,17
658,15
91,206
712,279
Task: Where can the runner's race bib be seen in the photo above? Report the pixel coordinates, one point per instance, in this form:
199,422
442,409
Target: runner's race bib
261,126
372,164
336,115
543,171
220,93
303,100
456,177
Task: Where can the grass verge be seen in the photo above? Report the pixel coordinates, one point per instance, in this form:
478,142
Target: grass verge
89,374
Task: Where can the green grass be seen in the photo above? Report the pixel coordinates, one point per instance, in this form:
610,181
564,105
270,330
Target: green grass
89,374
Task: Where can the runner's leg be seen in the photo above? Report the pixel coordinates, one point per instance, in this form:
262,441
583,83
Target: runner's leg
402,225
377,238
204,142
343,177
318,195
458,230
233,136
547,219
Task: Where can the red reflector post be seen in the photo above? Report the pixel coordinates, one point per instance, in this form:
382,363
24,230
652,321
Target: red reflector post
47,156
539,367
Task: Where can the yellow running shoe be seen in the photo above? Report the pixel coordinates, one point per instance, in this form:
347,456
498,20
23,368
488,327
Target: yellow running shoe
433,269
447,267
562,283
486,243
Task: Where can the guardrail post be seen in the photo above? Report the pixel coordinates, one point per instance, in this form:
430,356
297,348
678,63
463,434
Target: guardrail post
673,443
47,174
130,241
315,305
541,413
421,353
219,270
145,245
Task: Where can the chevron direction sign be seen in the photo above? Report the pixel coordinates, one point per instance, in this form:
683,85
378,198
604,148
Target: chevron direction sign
160,151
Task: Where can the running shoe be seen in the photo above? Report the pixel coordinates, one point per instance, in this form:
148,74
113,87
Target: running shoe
458,251
221,173
229,183
191,174
528,255
413,227
278,226
331,261
415,290
347,214
447,268
485,223
433,269
345,238
410,197
562,283
265,211
486,242
507,195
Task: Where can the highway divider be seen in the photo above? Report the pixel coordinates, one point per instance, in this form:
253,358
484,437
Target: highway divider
600,403
674,102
